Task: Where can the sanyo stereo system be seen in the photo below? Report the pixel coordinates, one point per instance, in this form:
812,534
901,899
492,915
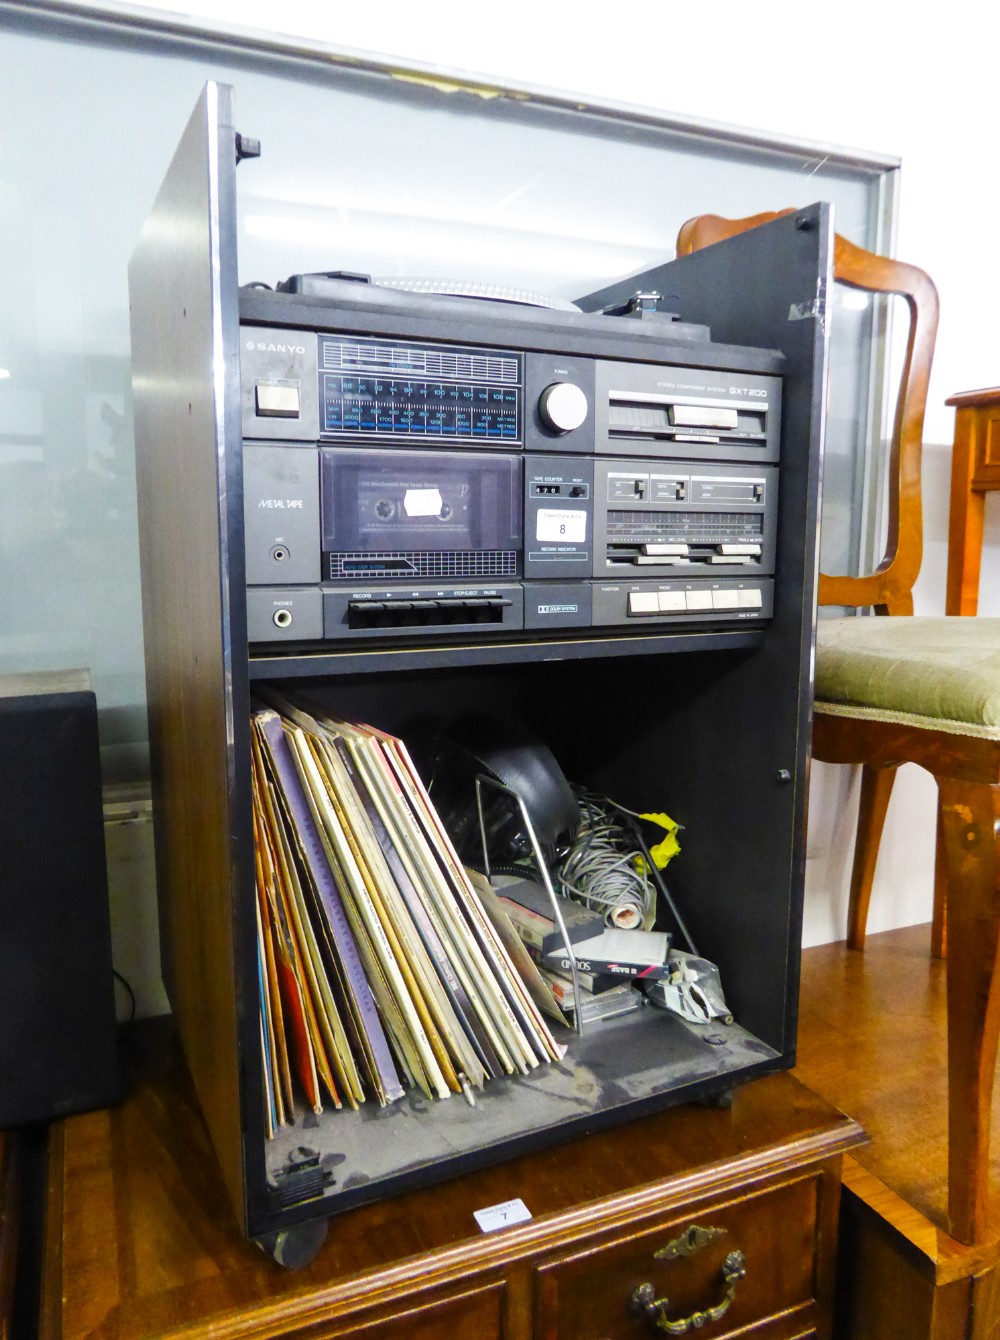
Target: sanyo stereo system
489,469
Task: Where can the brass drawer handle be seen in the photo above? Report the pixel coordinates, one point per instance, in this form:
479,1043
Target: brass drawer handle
644,1300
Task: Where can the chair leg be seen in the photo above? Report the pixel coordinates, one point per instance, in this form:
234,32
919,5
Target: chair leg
965,521
970,818
876,788
939,922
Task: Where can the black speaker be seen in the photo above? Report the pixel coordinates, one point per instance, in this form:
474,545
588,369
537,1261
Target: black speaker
58,1050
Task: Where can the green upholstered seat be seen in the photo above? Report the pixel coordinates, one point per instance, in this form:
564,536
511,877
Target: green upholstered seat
935,673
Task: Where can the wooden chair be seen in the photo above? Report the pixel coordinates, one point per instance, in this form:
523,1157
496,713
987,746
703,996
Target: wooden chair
927,691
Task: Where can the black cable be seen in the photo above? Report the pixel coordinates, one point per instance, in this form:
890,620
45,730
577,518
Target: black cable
601,870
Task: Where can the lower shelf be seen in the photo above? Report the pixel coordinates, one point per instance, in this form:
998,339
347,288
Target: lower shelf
140,1239
645,1059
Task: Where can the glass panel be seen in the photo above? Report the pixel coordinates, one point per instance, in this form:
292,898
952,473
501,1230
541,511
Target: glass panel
503,193
868,334
359,172
844,453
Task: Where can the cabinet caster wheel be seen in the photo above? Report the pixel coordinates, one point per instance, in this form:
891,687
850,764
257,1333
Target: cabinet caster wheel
297,1246
723,1099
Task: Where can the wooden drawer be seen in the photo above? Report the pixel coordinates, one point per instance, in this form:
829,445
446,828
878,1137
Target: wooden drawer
586,1294
474,1314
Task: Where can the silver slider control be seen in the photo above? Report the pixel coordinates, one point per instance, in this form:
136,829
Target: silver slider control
664,548
702,416
749,548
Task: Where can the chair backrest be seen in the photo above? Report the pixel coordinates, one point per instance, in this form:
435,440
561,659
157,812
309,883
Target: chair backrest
889,589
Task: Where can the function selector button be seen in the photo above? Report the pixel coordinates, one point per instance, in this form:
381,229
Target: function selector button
562,407
277,400
643,602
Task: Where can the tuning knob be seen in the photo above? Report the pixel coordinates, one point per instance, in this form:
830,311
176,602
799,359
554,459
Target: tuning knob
562,407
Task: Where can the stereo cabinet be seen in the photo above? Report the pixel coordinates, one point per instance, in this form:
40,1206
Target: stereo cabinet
709,721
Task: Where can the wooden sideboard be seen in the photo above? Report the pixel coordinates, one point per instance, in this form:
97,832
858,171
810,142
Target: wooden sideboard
140,1239
10,1228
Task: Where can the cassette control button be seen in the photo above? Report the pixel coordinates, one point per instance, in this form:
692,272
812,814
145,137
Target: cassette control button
485,610
426,612
750,600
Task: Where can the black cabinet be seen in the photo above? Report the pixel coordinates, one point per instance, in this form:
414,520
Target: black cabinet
679,688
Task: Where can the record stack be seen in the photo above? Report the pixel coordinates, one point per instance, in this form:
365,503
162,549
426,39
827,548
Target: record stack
379,966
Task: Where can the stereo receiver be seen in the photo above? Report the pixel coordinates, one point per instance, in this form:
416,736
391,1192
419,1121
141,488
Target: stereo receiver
418,466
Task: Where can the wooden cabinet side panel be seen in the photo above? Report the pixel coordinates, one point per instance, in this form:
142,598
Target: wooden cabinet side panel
882,1291
174,282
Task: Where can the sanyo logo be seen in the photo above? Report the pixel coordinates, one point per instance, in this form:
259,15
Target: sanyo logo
258,347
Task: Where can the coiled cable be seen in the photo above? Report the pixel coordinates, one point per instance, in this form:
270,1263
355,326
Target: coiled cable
605,868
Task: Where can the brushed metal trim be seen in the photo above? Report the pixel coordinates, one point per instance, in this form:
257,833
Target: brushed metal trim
215,33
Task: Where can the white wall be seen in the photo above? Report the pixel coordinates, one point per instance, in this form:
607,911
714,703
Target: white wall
917,83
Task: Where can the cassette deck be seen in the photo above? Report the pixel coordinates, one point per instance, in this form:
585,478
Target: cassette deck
454,469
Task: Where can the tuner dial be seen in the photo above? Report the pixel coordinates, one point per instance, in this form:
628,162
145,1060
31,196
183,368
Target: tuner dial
562,407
